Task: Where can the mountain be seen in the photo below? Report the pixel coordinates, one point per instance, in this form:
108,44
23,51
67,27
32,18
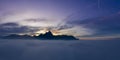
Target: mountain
46,36
50,36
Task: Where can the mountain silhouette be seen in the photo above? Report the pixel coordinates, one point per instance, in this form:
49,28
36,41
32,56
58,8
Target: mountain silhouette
46,36
50,36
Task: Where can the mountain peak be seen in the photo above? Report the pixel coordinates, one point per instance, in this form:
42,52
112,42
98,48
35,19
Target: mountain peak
49,36
49,33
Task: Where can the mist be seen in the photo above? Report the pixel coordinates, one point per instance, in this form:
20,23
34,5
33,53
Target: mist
59,50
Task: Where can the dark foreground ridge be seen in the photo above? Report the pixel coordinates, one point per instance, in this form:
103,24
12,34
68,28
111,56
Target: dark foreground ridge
46,36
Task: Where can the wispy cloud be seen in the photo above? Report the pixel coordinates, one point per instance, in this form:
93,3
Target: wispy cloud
14,28
102,26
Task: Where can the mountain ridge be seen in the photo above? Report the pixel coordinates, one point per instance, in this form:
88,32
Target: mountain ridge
47,36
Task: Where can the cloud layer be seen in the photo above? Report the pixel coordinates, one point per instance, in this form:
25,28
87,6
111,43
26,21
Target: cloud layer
59,50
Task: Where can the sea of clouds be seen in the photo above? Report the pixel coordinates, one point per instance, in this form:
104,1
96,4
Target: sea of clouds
59,50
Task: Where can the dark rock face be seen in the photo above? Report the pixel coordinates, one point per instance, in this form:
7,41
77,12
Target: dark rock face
50,36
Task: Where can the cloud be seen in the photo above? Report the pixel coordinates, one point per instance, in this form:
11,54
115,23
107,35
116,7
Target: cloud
66,26
36,20
107,25
59,50
9,24
14,28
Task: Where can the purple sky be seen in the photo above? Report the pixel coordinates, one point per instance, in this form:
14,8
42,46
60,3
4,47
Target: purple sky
81,18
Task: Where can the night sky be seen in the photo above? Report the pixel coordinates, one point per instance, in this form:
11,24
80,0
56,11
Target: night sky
84,19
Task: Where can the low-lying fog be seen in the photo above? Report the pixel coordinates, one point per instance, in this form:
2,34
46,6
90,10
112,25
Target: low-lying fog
59,50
